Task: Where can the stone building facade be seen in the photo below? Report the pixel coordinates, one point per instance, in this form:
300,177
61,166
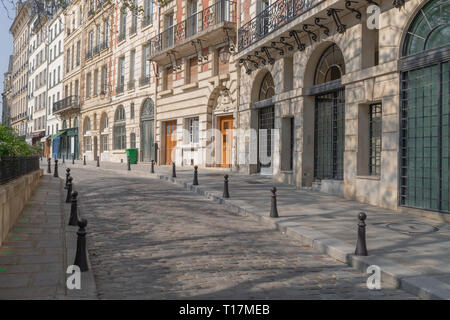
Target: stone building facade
353,98
96,76
197,82
131,115
18,103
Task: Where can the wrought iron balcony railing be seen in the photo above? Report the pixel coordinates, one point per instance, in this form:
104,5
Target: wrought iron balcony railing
91,12
121,36
144,80
272,18
89,54
130,84
67,102
120,87
147,20
221,11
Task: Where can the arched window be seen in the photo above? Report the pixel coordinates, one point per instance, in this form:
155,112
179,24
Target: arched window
148,109
267,88
104,122
424,110
119,129
430,28
331,66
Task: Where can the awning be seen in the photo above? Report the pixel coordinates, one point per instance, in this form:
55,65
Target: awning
58,134
72,132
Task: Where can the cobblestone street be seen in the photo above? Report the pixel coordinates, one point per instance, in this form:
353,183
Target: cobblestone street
149,239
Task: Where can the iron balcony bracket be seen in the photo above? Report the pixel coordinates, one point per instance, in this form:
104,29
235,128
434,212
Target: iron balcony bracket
229,41
372,2
288,45
244,62
199,50
300,46
348,5
398,3
173,61
334,13
311,34
256,55
326,31
274,46
269,57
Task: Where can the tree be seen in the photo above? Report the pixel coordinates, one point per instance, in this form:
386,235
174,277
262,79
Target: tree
12,145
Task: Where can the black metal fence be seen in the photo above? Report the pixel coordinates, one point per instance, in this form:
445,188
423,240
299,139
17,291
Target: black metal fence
14,167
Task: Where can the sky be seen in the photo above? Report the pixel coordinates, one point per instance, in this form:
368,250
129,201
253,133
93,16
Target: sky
6,44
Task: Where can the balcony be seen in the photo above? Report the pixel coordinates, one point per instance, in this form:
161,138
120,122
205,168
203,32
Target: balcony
66,104
208,24
131,85
89,54
271,19
91,12
20,116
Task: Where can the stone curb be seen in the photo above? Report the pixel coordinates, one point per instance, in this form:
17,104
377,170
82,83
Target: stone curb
413,282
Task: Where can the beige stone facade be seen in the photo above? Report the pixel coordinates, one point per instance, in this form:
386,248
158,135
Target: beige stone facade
197,90
18,102
369,77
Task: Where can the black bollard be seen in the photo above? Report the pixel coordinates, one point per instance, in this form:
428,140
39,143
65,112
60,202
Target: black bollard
273,208
361,248
74,210
49,167
55,174
84,160
98,161
153,167
69,189
195,183
73,158
67,177
81,255
129,163
225,187
63,160
174,170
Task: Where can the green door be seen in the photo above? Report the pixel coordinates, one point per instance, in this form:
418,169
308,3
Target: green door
425,138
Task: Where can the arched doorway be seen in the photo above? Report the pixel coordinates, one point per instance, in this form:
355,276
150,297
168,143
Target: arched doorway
329,116
425,110
147,131
266,124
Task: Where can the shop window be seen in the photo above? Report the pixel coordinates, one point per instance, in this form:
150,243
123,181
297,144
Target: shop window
119,129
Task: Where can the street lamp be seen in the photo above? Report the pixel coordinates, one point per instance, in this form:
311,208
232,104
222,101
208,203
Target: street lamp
224,54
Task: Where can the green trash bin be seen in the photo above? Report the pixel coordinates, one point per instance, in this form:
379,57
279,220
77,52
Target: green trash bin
132,154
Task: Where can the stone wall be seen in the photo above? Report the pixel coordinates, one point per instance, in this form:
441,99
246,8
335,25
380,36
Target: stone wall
13,197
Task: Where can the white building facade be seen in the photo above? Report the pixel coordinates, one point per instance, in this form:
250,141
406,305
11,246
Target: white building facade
55,74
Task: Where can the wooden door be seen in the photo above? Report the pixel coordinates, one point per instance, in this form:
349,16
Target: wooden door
171,142
226,130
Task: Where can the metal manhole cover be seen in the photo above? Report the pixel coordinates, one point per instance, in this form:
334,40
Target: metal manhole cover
411,228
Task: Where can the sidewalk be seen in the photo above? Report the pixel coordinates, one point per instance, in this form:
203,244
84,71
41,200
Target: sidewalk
35,256
412,251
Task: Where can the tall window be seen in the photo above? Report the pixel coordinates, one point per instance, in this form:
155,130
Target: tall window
106,33
374,139
121,74
133,140
95,81
148,12
88,85
123,23
132,62
91,41
193,130
119,129
146,62
104,79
